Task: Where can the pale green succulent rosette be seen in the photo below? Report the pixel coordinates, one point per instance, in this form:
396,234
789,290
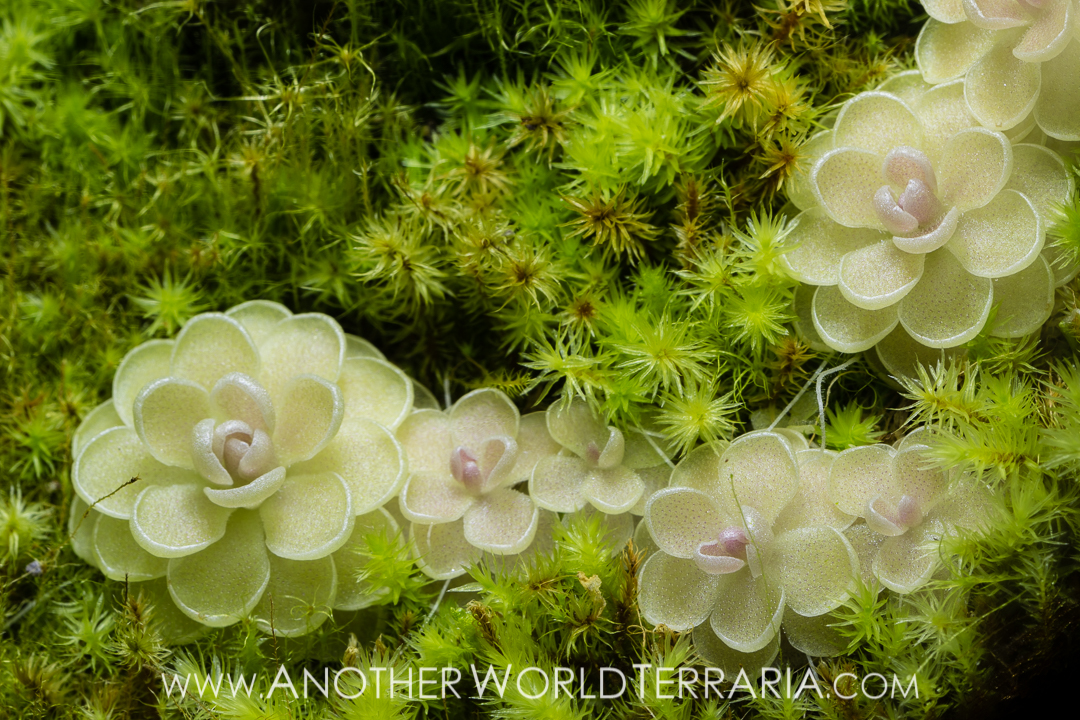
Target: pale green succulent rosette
916,224
744,538
907,506
595,465
460,497
1018,60
264,449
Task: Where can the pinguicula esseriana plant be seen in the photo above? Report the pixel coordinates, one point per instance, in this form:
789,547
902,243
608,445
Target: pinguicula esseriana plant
596,465
235,460
1017,58
917,223
909,503
463,465
741,541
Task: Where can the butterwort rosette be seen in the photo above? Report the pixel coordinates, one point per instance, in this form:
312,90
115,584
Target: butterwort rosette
464,463
259,447
743,542
908,503
1018,60
918,225
596,466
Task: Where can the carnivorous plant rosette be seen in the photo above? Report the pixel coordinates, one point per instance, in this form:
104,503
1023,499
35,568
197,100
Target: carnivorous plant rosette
1018,59
908,502
742,541
916,223
257,437
463,464
596,465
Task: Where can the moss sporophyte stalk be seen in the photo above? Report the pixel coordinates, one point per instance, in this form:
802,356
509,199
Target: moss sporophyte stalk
721,352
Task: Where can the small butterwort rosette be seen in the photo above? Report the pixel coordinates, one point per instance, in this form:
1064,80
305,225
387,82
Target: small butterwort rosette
1017,60
262,441
596,465
744,538
917,224
908,503
460,496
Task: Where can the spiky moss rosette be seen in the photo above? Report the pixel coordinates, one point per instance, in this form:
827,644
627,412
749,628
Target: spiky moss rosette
240,463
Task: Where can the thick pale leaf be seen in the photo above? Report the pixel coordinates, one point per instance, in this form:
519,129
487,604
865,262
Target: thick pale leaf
310,413
374,389
974,167
916,476
1048,35
816,566
615,490
442,551
309,344
80,528
1024,301
211,346
1040,174
140,367
847,328
943,112
673,592
434,498
812,506
680,519
534,443
762,473
949,306
877,122
172,521
259,317
814,636
248,496
1000,89
748,611
502,522
1058,107
481,415
556,483
309,517
425,438
844,182
299,597
1000,239
945,52
879,275
224,582
103,417
860,474
238,397
166,413
819,244
105,466
731,663
368,458
120,557
576,427
906,562
358,347
946,11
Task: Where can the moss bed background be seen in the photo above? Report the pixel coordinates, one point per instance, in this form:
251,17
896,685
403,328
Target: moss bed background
569,196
